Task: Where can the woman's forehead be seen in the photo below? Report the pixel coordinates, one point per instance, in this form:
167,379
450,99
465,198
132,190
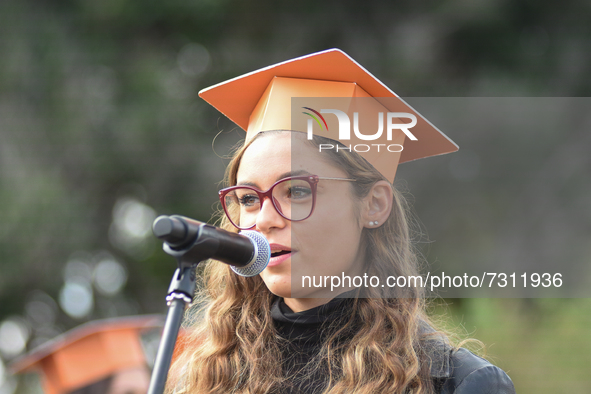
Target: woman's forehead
279,153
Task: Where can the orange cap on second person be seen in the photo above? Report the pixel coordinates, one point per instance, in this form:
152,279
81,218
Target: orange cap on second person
89,353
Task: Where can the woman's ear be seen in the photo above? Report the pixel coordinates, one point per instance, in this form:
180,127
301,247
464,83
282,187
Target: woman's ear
377,205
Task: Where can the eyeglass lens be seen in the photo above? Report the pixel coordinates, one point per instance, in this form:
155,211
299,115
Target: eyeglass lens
292,198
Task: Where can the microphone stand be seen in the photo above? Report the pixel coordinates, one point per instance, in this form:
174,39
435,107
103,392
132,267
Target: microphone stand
191,242
180,294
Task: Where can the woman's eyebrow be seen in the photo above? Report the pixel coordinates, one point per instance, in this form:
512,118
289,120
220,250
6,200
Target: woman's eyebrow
292,173
253,184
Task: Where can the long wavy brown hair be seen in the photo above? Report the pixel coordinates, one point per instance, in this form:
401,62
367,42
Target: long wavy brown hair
233,345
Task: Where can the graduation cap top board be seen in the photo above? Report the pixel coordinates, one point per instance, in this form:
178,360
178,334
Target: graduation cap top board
262,100
90,353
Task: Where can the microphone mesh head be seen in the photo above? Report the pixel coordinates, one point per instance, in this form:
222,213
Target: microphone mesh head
261,257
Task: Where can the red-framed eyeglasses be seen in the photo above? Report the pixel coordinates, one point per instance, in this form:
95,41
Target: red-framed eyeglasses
294,198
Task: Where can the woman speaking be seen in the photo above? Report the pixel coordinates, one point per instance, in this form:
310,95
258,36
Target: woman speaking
316,179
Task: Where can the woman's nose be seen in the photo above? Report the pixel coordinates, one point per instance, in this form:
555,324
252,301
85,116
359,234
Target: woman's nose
268,217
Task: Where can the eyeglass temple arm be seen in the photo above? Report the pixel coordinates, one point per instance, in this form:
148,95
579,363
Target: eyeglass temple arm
337,179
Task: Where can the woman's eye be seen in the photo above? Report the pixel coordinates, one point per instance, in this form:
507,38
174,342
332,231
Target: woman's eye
298,192
248,200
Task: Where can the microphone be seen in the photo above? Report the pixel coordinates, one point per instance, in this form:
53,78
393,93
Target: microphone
248,252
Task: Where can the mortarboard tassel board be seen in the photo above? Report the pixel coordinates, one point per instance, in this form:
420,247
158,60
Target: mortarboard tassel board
275,97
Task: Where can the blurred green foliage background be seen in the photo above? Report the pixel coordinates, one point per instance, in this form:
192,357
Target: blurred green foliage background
101,130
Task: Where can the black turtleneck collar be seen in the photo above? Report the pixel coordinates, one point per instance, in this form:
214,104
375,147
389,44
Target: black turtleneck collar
282,313
309,328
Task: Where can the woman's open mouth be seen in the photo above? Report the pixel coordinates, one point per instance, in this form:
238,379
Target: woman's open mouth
279,254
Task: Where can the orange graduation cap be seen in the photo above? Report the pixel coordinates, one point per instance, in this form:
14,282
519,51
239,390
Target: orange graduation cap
263,100
91,353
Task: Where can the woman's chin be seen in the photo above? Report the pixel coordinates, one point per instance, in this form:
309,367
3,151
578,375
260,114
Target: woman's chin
281,284
280,291
287,291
